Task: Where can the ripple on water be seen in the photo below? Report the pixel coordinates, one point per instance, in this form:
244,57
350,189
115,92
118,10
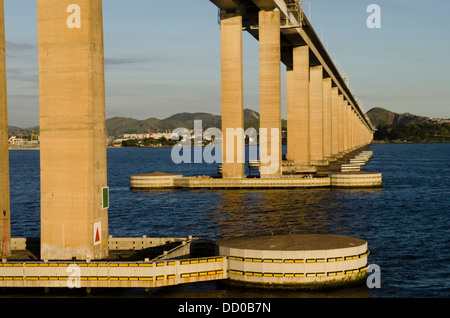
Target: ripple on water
406,222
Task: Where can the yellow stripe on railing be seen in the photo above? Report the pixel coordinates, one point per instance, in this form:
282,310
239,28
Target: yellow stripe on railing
309,260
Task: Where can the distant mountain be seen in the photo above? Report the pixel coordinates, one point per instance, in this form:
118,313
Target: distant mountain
118,126
250,114
16,131
380,117
394,127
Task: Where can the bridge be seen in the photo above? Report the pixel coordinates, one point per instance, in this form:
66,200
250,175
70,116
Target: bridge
325,123
324,120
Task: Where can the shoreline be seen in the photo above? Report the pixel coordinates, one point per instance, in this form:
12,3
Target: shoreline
373,142
408,142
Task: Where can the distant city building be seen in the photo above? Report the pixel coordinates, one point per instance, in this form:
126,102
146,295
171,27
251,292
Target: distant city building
148,135
16,142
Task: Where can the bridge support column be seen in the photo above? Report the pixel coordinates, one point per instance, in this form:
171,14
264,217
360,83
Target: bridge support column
364,134
74,215
345,120
335,122
233,154
341,105
5,226
316,116
360,133
290,120
270,93
350,128
327,120
298,113
353,119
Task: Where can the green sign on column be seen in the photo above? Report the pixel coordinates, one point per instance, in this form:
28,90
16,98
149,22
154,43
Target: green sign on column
106,198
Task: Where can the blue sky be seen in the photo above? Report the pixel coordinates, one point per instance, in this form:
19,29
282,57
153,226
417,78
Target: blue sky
163,57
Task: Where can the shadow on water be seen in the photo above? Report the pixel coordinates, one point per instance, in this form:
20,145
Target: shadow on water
196,290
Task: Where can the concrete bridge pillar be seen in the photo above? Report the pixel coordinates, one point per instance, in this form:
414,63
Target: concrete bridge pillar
316,115
341,105
358,132
301,126
352,133
233,155
290,113
335,122
270,93
363,134
368,135
350,128
5,226
354,116
345,122
74,215
327,119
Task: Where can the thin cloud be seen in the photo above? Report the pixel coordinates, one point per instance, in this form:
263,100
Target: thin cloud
21,75
20,46
122,61
17,50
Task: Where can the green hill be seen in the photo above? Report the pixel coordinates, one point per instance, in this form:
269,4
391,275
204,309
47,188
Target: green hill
380,117
407,127
118,126
390,125
16,131
411,132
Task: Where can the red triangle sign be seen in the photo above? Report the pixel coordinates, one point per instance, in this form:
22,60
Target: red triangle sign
97,233
97,236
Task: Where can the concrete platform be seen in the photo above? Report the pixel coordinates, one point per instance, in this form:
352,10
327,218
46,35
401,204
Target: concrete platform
299,261
150,181
350,167
154,180
356,179
358,162
140,262
345,172
119,248
290,168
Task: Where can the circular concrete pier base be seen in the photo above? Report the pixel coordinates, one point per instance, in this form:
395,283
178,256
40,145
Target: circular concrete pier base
153,180
355,179
296,261
350,167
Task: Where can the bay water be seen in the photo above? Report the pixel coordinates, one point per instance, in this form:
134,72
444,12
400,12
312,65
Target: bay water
406,222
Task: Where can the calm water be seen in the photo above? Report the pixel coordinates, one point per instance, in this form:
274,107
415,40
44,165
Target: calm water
406,223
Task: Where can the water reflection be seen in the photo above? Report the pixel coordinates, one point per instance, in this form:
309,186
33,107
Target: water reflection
224,290
266,212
